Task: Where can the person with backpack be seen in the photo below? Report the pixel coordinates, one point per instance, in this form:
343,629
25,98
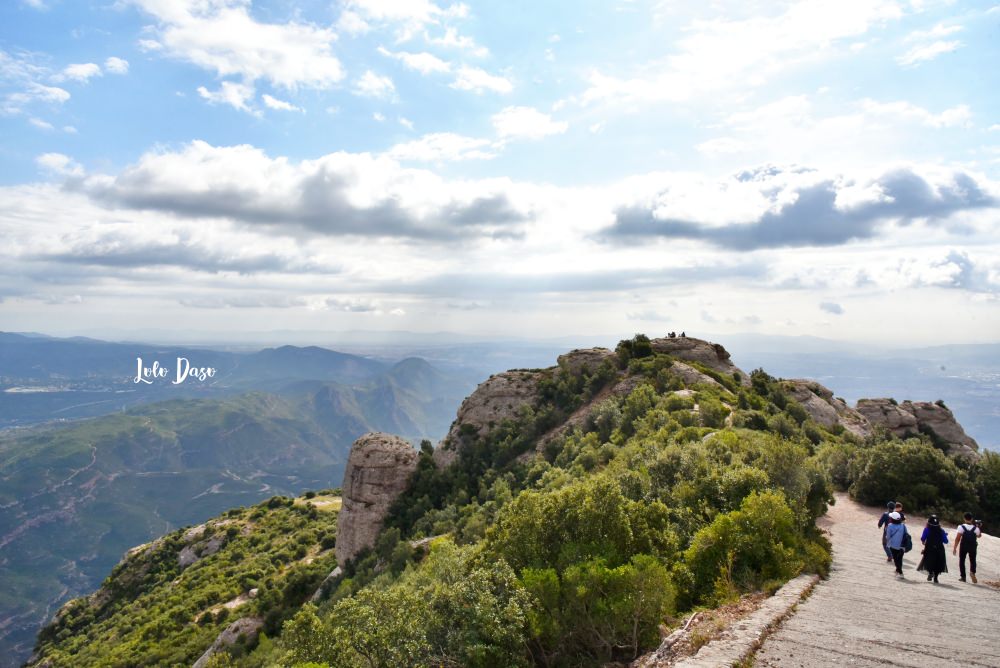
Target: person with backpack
883,524
896,536
966,541
934,539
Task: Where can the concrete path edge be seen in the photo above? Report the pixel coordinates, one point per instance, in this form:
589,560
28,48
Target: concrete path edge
741,641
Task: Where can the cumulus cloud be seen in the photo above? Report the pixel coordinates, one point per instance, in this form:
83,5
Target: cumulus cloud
40,124
235,94
451,39
374,85
423,62
59,164
925,52
279,105
407,17
80,72
722,54
116,65
804,208
478,80
443,147
831,307
337,194
526,123
222,37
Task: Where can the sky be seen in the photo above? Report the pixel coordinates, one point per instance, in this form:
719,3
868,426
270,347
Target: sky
510,169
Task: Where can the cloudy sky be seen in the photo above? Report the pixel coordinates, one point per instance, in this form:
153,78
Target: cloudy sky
502,168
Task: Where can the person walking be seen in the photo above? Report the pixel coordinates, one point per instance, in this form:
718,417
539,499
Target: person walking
966,541
883,524
895,535
934,539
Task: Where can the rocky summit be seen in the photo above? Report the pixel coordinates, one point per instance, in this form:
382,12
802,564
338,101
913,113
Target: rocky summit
378,470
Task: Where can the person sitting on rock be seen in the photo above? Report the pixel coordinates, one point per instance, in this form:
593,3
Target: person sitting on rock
883,524
966,541
934,539
895,535
683,335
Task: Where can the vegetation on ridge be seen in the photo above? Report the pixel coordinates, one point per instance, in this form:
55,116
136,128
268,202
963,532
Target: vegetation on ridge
571,547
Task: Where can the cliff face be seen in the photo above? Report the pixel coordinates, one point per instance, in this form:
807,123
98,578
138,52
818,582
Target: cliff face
378,470
826,409
912,418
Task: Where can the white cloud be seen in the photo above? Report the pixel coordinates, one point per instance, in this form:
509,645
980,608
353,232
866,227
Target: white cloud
425,63
451,39
59,164
959,116
280,105
374,85
81,72
40,124
443,147
352,23
378,117
479,80
221,36
722,54
233,93
926,52
116,65
69,129
35,4
409,17
526,123
722,145
406,122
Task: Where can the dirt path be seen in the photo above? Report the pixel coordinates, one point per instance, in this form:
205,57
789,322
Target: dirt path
864,616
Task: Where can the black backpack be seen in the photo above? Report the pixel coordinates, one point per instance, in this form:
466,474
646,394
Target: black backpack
907,540
969,538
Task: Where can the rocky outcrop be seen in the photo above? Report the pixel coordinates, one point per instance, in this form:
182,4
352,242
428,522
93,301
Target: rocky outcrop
378,471
690,376
499,398
890,415
938,422
585,360
689,349
824,408
912,418
248,627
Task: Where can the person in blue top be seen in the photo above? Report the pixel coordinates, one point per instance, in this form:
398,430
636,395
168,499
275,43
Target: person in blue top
934,539
894,536
883,524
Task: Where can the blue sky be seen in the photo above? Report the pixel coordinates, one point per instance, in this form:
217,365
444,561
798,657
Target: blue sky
512,168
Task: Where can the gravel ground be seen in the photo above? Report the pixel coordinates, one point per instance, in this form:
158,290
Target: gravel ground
864,616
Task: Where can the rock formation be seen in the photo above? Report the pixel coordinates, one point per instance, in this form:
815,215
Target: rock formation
825,409
378,470
890,415
498,398
689,349
912,418
585,359
248,627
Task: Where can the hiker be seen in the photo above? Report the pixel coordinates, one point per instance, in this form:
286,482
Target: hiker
883,524
899,509
934,539
895,537
966,542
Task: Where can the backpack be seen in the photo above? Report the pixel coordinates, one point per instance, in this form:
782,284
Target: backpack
907,540
969,536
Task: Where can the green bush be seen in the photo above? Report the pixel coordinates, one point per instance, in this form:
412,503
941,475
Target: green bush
914,473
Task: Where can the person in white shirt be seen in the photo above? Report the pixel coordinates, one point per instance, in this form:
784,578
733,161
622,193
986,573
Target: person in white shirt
966,541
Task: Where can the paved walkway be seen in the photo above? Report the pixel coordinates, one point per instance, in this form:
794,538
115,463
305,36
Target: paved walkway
864,616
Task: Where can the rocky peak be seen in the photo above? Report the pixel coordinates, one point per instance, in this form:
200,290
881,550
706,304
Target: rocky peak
824,408
585,359
498,398
378,471
690,349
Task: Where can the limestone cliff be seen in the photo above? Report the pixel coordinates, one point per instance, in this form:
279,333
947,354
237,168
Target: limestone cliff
689,349
378,470
825,409
912,418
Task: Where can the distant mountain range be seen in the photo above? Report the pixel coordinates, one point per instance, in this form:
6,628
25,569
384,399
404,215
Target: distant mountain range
75,495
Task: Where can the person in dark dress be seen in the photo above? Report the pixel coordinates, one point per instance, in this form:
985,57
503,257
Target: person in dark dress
934,539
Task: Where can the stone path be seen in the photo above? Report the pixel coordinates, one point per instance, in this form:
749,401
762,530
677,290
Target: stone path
864,616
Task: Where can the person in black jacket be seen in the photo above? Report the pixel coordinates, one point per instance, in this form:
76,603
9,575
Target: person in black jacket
934,539
966,542
883,524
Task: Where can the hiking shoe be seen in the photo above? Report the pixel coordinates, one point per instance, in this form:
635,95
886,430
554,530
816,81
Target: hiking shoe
974,580
929,577
888,560
961,579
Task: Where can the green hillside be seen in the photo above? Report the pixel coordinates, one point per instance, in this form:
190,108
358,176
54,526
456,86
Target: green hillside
612,504
74,498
